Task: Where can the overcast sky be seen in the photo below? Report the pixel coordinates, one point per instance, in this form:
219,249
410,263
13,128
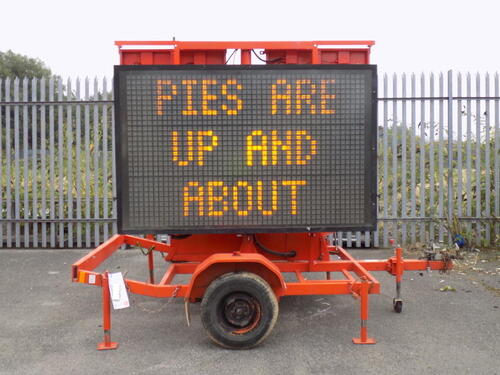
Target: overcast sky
76,38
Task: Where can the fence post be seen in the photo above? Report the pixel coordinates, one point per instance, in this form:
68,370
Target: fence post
450,144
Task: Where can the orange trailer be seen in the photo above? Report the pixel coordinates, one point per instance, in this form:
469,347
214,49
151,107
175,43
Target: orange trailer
250,185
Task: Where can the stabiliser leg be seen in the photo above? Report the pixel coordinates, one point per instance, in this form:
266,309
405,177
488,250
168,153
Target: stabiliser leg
107,344
364,339
397,302
151,264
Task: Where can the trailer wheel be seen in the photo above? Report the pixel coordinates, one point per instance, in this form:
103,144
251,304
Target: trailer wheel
239,310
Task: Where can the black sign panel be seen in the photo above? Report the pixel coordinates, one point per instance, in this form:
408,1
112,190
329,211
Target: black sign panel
246,148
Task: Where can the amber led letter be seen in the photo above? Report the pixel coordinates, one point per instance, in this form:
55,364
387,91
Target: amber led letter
189,111
207,97
281,90
252,147
326,97
197,198
161,96
238,103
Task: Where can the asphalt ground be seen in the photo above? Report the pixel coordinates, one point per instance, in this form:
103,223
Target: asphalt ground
49,325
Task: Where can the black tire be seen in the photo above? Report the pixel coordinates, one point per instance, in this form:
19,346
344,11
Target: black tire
239,310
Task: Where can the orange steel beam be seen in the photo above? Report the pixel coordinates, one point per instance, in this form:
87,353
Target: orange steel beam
187,45
299,276
348,276
328,287
369,265
169,275
158,291
246,57
356,265
97,256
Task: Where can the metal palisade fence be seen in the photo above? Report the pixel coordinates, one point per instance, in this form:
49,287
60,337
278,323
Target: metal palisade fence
438,161
57,167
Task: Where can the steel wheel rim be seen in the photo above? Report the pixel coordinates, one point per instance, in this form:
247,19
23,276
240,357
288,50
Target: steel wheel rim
240,312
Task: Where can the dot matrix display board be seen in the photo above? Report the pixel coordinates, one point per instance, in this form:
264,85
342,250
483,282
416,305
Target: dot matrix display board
246,149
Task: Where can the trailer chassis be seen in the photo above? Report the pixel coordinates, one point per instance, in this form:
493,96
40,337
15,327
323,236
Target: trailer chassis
357,280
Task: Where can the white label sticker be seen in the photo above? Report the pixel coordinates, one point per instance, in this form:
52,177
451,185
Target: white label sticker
118,291
91,279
